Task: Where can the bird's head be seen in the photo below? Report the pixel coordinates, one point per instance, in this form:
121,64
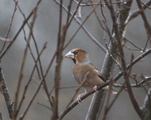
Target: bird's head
79,56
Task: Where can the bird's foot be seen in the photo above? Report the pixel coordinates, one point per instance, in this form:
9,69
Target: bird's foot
79,97
95,88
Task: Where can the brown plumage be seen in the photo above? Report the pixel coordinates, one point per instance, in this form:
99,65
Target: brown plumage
83,70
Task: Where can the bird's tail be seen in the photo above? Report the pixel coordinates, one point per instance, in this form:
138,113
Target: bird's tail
112,90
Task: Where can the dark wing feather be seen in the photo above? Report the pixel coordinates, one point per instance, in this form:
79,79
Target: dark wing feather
102,78
99,75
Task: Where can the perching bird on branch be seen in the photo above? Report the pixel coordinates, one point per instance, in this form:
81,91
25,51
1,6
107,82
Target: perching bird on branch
84,72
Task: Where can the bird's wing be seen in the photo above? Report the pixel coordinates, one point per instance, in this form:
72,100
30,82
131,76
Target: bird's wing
99,74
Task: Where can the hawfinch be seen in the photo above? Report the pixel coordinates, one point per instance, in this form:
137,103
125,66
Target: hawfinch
84,72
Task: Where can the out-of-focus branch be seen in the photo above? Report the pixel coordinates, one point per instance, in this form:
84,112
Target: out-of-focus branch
9,28
5,92
35,43
84,28
91,4
39,60
22,67
5,39
146,109
20,29
27,85
87,32
30,78
0,116
107,101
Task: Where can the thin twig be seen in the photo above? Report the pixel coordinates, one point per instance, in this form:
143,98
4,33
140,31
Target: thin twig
91,4
137,47
142,83
146,23
5,39
144,54
135,13
9,28
18,32
32,99
44,106
107,100
22,67
66,87
30,78
84,28
35,43
115,98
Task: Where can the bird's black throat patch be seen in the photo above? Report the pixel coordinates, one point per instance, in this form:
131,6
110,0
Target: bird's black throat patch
74,60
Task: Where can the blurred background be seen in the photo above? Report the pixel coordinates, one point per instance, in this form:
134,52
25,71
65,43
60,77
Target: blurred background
46,30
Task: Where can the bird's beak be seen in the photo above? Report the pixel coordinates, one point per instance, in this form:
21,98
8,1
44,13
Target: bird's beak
69,55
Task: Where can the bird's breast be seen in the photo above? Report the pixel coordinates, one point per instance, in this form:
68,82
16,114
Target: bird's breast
80,72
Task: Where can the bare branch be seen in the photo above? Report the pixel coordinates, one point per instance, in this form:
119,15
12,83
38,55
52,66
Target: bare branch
1,116
30,78
23,24
146,109
72,105
135,13
146,23
5,39
44,106
22,67
9,28
5,92
84,28
144,54
59,49
142,83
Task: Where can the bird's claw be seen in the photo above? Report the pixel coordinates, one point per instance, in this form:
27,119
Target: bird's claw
79,97
95,88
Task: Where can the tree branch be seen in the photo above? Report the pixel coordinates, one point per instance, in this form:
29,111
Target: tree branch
135,13
146,109
5,92
20,29
72,105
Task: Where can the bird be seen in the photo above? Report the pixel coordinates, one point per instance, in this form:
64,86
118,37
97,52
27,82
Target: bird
84,71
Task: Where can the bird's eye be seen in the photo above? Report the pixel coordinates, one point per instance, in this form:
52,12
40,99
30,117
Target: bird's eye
75,52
